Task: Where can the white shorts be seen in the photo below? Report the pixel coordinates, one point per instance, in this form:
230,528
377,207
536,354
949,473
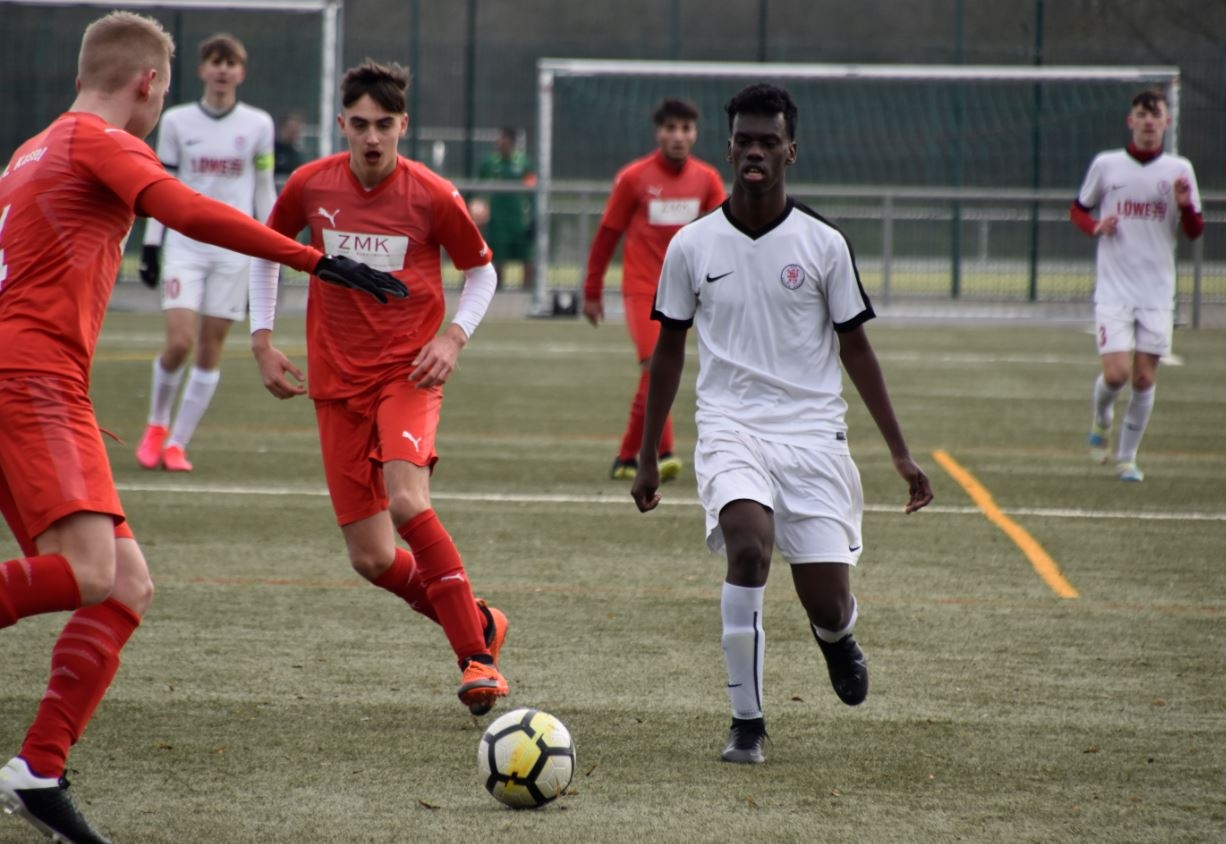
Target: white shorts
816,497
213,288
1120,328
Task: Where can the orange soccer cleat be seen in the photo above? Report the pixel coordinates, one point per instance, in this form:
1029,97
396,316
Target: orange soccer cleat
480,686
174,459
495,628
149,452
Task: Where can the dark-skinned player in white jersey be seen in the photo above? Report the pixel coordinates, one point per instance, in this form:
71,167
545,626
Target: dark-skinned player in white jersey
773,293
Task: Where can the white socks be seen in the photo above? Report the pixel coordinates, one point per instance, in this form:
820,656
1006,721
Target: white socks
196,399
1104,402
162,393
1136,418
744,644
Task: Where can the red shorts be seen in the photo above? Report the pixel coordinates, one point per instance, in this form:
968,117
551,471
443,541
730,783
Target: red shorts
53,462
644,330
359,434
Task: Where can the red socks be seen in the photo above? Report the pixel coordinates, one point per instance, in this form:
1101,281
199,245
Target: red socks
446,584
83,663
35,585
404,581
633,437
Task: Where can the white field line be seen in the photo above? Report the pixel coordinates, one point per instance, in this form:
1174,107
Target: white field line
681,501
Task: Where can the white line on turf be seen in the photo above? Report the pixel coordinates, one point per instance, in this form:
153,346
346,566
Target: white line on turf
623,500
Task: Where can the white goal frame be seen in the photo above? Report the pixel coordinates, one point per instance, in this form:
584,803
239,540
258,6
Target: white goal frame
549,69
331,14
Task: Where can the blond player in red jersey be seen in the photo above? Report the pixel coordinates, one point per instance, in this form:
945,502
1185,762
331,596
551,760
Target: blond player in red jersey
653,197
68,198
377,374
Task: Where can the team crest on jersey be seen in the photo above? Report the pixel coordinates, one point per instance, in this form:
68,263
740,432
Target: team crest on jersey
1164,187
793,276
240,142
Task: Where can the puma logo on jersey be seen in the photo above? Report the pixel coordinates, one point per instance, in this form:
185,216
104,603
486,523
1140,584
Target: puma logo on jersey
415,440
655,190
323,212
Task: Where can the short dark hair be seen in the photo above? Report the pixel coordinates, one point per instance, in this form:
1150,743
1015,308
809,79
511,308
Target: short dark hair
1149,99
764,99
225,47
674,110
386,84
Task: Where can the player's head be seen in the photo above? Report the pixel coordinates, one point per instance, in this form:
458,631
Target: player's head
507,136
223,63
676,128
762,125
373,118
122,52
1148,119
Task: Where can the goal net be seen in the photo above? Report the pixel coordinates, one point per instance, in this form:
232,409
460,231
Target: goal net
951,181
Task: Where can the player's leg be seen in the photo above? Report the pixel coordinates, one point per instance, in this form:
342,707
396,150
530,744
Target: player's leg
644,332
736,490
1154,332
182,296
224,300
1114,335
818,530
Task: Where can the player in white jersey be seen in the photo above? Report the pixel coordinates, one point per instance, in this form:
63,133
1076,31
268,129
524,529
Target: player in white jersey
1143,195
773,292
224,149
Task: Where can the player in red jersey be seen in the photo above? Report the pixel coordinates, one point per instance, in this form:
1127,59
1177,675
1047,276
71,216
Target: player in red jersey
377,373
68,198
653,197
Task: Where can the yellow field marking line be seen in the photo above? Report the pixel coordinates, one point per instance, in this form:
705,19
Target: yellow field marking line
1043,564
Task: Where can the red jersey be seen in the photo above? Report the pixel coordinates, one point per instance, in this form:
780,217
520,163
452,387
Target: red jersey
652,199
67,200
354,343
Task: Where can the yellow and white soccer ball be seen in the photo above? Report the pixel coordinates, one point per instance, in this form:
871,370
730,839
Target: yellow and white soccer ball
526,758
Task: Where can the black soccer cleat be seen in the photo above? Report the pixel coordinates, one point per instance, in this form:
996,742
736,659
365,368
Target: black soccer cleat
46,804
745,741
847,666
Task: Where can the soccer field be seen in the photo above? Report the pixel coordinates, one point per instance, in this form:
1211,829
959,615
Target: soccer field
271,696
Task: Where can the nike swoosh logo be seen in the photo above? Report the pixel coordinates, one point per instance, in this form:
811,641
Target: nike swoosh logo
191,142
856,548
711,278
735,685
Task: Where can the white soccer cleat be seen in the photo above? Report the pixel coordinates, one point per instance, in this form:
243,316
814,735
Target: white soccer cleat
1100,444
1129,473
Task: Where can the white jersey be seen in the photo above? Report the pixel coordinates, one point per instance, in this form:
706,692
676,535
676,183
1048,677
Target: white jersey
1136,265
767,307
221,157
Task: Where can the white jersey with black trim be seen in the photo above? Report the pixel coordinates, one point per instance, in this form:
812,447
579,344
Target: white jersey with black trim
217,156
1136,265
767,307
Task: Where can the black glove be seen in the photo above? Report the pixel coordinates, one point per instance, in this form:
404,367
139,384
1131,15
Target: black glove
337,269
150,266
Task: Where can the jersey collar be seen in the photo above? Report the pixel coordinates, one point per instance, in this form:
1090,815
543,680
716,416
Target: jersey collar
1143,156
765,230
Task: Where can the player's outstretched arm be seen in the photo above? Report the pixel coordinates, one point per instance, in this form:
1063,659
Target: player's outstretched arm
862,367
667,362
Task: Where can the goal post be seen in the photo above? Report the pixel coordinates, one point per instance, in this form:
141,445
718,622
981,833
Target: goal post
977,160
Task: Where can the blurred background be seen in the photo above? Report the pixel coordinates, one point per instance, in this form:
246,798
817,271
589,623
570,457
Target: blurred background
948,191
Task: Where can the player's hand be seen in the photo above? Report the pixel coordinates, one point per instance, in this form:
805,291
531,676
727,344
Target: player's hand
593,310
646,487
1107,226
437,359
150,266
1183,192
917,482
337,269
274,369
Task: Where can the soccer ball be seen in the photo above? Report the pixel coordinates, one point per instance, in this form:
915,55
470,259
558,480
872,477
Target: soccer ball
526,758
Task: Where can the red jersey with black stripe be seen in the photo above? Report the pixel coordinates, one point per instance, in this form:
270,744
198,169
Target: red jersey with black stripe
652,199
354,343
67,200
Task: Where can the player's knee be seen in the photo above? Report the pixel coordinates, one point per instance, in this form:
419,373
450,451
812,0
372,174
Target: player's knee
370,564
135,592
404,504
1142,381
749,563
95,575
